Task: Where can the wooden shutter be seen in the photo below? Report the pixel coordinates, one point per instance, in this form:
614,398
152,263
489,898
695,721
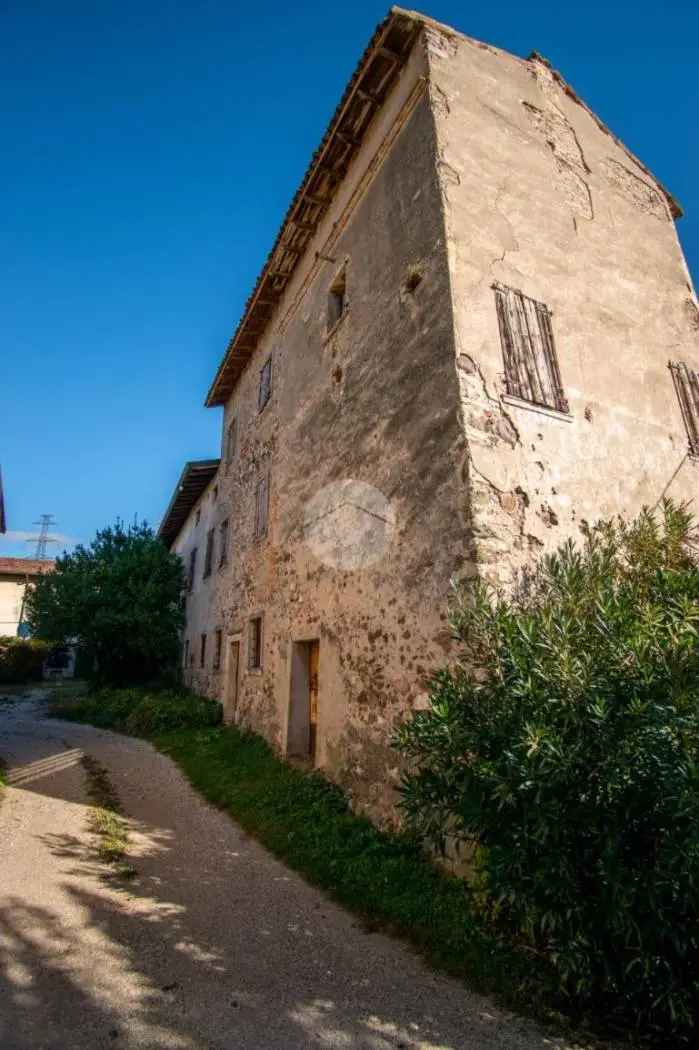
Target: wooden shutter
687,388
529,352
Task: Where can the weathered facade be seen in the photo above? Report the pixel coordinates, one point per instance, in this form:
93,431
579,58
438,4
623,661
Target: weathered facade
456,352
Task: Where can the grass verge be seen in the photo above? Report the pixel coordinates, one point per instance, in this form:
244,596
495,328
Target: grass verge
386,879
106,820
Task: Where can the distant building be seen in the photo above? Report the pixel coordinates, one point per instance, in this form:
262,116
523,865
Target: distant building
16,574
475,332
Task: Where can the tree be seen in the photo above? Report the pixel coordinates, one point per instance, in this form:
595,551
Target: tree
119,599
564,743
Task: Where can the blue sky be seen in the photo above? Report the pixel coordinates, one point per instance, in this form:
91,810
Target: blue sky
149,151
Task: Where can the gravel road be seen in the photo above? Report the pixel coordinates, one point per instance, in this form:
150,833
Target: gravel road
214,945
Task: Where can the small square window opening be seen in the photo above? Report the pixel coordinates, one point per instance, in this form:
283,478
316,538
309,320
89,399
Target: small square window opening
255,644
192,568
223,540
262,506
209,556
265,391
230,443
337,299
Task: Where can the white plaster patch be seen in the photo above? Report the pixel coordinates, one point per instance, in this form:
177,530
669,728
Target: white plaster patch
349,525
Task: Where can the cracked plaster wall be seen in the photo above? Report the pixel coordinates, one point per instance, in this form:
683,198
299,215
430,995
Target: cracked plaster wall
538,196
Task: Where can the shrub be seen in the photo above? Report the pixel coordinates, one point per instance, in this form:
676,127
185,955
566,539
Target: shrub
140,711
22,659
565,744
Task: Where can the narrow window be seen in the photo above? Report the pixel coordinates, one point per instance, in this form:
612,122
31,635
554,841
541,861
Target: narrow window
262,506
209,557
186,652
686,382
192,567
214,493
223,540
230,442
337,299
255,644
217,650
531,366
202,651
265,384
197,518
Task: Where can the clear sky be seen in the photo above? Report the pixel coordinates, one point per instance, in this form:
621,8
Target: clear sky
149,150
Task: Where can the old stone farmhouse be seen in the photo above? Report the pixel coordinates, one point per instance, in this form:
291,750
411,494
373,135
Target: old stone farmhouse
475,331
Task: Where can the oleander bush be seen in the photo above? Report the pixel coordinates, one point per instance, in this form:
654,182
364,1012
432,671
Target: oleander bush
564,745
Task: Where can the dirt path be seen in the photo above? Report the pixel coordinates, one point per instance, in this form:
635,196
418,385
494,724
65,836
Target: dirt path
214,944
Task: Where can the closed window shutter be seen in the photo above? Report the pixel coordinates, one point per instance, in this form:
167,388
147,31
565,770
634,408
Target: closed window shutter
686,382
529,352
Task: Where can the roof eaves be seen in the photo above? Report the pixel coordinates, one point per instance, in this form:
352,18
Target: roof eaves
195,476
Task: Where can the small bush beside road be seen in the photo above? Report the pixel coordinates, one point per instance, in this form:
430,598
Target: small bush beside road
141,712
22,659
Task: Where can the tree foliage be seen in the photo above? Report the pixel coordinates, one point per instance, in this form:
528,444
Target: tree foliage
565,745
119,599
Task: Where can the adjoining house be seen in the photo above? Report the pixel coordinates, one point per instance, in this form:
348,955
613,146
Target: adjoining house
16,575
475,332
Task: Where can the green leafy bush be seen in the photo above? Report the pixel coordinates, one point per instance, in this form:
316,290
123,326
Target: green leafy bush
140,711
119,600
565,745
22,659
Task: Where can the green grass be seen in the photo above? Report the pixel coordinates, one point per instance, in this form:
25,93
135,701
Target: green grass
106,820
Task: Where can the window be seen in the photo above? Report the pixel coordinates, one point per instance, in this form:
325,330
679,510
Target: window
209,557
265,384
192,567
202,651
218,637
337,299
262,506
214,493
687,389
531,367
255,644
197,518
230,442
186,652
224,543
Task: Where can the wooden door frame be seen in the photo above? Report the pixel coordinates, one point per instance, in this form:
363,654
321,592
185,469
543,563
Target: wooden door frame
310,635
229,712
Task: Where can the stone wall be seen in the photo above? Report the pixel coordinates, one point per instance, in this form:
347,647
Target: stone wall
362,427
